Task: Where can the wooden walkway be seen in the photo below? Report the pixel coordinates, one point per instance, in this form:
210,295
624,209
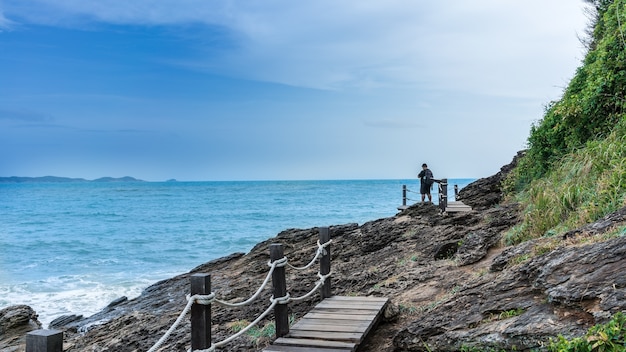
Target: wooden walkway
336,324
455,207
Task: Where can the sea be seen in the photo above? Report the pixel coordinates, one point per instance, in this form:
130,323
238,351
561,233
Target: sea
72,248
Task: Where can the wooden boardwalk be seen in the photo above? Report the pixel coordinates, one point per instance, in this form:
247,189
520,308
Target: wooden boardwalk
455,207
336,324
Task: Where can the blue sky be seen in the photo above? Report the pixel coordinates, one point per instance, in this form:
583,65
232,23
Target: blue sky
277,89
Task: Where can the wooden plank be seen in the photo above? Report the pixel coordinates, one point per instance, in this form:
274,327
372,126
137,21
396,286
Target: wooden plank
328,335
336,324
322,326
303,349
345,311
458,210
458,206
335,316
357,299
377,318
350,305
286,341
328,327
341,303
322,321
330,315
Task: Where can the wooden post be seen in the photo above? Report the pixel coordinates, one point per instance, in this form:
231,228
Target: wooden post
443,194
403,196
325,262
280,290
200,313
44,341
456,192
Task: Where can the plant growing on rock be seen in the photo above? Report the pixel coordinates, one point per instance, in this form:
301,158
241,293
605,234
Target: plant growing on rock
605,337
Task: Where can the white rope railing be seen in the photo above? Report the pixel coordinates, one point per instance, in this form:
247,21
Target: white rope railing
273,265
318,284
211,298
274,301
175,325
321,250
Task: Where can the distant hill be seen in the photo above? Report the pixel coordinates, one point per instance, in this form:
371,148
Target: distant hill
48,179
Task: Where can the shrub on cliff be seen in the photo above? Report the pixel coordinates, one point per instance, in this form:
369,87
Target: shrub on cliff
592,104
607,337
586,185
573,170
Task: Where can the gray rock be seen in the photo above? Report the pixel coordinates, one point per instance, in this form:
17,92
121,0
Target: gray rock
15,322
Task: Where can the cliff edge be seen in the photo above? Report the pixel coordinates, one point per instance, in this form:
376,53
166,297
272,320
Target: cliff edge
452,283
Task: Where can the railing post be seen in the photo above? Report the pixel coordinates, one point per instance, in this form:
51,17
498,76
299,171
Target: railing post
325,261
44,341
443,194
456,192
200,313
403,195
280,290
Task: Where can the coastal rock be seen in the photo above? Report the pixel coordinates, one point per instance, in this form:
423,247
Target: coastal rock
64,321
487,192
600,226
451,283
15,322
557,293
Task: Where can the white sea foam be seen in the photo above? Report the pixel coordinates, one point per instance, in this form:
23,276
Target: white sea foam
72,248
58,296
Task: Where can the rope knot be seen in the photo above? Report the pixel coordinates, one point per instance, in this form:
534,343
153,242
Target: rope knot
281,300
323,277
321,248
202,299
278,263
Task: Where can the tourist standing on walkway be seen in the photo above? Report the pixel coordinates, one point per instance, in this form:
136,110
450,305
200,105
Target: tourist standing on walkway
426,182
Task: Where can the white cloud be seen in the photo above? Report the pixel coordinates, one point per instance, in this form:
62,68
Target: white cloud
5,24
512,48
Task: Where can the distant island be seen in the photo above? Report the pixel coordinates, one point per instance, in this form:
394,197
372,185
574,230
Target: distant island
17,179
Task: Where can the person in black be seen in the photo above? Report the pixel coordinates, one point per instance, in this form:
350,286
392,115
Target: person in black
426,182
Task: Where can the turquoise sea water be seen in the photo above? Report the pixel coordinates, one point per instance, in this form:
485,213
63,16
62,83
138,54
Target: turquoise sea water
71,248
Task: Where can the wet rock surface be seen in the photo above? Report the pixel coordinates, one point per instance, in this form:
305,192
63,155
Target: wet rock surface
451,282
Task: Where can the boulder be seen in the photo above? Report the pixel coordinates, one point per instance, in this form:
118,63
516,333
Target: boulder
486,192
15,323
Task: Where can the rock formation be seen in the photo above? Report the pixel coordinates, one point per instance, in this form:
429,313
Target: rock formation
15,322
452,283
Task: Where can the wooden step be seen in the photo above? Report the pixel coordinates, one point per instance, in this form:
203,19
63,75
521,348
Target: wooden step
336,324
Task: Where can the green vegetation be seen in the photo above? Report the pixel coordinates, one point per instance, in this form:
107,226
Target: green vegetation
258,333
587,185
511,313
574,171
606,337
408,309
268,330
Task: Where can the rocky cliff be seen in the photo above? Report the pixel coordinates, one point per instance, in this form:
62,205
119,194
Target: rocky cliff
452,283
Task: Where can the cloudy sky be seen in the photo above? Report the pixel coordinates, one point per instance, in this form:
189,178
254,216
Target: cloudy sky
277,89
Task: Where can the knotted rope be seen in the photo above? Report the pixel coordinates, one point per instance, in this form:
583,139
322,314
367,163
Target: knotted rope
321,250
210,299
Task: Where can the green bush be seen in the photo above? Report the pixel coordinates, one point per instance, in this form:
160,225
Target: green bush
585,186
608,337
592,104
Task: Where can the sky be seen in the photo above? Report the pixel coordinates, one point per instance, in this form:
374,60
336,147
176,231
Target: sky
198,90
